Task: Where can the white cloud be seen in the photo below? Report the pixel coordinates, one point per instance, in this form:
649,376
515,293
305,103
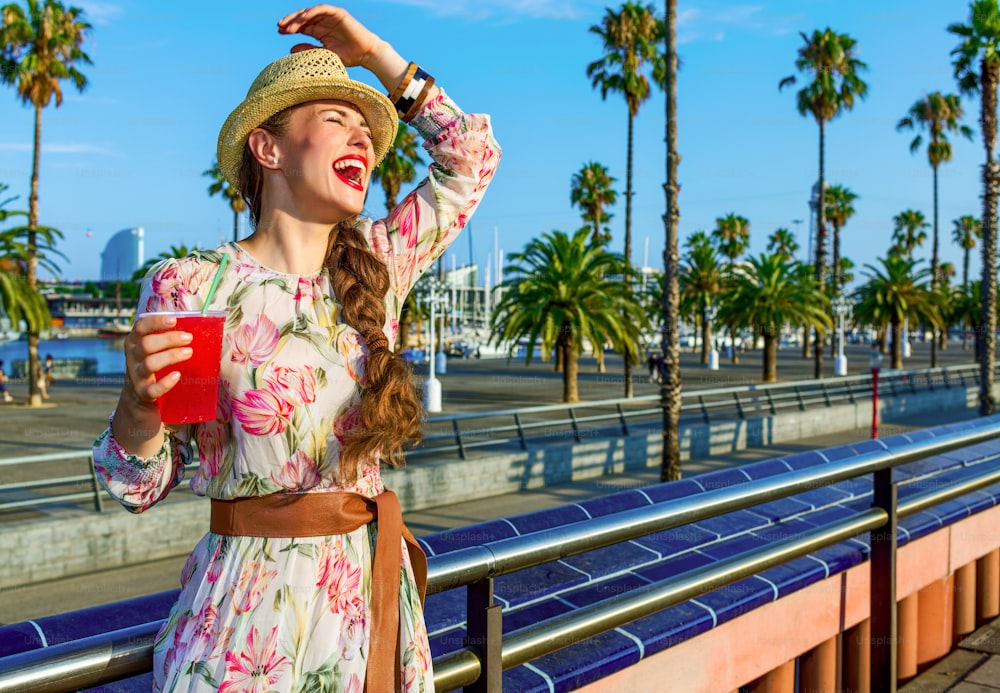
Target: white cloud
97,12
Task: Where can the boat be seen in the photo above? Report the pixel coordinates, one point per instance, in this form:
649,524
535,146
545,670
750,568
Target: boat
113,331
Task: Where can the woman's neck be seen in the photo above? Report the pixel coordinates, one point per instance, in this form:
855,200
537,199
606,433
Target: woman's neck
288,245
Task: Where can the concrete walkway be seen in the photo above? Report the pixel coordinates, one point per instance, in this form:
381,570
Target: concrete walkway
974,667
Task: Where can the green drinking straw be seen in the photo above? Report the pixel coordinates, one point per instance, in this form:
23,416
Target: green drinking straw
215,283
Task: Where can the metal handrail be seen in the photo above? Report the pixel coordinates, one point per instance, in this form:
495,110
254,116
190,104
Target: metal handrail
767,397
128,652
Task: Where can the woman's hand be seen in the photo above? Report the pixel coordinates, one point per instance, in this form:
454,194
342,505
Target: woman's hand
151,347
337,30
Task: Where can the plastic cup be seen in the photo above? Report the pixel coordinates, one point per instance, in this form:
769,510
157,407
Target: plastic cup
196,394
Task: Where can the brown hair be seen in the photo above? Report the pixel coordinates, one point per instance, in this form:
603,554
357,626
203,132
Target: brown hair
390,410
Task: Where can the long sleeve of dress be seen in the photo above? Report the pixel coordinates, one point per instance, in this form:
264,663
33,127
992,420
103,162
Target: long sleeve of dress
426,222
135,482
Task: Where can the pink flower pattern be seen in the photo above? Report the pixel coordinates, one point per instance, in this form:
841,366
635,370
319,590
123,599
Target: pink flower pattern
288,401
253,343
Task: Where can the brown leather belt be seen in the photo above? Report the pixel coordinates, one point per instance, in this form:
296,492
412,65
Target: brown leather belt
318,514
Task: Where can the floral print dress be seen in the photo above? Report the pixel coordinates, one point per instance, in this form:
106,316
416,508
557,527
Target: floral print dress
260,614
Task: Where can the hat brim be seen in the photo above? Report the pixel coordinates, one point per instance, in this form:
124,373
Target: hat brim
378,111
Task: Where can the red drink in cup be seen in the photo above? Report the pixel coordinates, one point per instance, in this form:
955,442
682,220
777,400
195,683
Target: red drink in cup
196,394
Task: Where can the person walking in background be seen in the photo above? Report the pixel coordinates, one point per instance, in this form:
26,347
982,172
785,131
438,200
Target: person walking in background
290,589
42,381
49,368
3,384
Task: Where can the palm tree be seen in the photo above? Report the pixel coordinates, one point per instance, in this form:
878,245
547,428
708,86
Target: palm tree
38,50
839,210
670,391
591,191
967,230
700,281
559,290
783,242
966,304
897,291
18,301
767,294
397,168
629,39
732,235
221,186
829,59
977,69
938,114
909,231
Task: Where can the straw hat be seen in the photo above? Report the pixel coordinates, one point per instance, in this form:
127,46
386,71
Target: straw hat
297,78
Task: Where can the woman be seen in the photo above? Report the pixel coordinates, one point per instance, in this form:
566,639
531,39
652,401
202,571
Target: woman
311,396
3,385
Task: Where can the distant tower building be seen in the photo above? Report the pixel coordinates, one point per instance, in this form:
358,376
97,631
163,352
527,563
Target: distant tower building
123,255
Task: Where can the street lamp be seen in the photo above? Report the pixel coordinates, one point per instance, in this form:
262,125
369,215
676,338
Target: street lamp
841,306
875,361
432,386
711,310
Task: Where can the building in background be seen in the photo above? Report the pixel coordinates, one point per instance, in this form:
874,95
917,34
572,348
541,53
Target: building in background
122,255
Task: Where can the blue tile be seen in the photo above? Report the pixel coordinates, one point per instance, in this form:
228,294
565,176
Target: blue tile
532,583
447,641
812,458
783,507
470,535
616,502
671,490
840,557
766,468
727,548
858,486
546,519
610,559
795,575
670,627
19,637
822,497
533,613
592,659
107,617
833,454
862,446
605,589
524,680
919,525
825,516
732,523
726,478
445,609
735,599
919,434
673,541
929,465
136,684
964,455
951,512
672,567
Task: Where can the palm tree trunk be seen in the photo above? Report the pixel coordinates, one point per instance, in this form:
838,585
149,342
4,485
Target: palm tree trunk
670,390
629,388
706,339
770,357
988,320
34,395
404,330
571,392
897,343
934,269
820,251
805,341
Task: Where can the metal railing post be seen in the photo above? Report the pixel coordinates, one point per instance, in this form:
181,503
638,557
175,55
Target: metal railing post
739,405
770,402
621,416
98,503
576,426
704,409
802,405
458,439
826,394
484,633
883,587
520,431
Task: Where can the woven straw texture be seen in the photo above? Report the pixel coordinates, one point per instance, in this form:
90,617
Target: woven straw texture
297,78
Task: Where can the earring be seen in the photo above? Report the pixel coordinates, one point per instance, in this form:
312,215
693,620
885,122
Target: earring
274,160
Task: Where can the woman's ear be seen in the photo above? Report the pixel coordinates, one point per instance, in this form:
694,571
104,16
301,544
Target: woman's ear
264,146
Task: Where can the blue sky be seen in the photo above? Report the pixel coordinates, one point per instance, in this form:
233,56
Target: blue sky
130,150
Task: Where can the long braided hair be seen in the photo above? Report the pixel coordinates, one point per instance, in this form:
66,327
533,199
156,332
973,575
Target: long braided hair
390,411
